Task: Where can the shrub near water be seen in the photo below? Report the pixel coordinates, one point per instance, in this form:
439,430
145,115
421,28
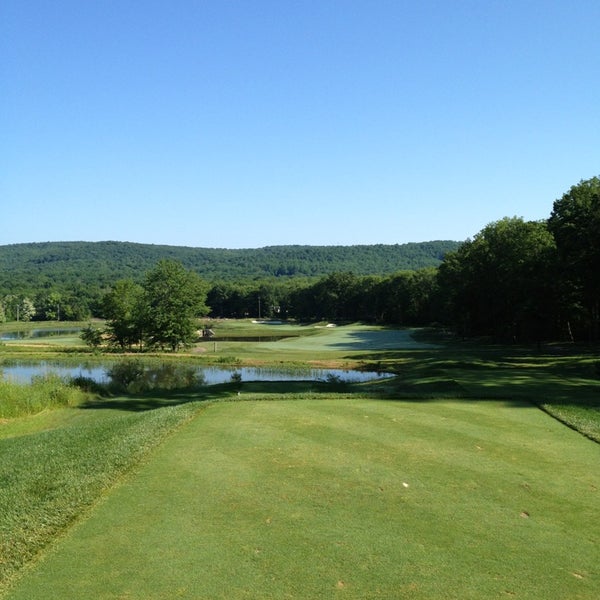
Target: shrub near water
133,376
44,392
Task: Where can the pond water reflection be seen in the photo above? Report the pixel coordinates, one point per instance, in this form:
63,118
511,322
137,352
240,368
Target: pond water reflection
170,374
7,336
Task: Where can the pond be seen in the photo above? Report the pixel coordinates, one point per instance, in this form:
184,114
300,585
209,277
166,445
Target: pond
6,336
171,373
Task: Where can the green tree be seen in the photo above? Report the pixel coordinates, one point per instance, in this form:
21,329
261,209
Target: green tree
92,336
172,301
501,283
575,224
18,307
122,307
335,296
48,305
407,297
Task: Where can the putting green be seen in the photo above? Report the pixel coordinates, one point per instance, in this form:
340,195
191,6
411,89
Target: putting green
344,498
353,337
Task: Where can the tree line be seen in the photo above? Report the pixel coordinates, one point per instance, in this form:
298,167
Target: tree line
515,280
530,280
63,266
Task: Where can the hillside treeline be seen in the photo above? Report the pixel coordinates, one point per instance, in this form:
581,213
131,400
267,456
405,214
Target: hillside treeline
86,267
515,280
522,280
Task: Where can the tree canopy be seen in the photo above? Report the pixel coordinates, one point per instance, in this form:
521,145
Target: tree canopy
27,267
160,313
514,280
172,299
500,283
575,224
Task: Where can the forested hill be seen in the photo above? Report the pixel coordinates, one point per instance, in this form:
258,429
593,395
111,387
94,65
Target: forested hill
102,263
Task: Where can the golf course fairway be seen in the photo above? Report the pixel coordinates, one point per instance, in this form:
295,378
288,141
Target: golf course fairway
343,498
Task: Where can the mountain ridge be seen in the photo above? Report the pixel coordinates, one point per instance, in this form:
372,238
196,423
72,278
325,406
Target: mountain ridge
101,263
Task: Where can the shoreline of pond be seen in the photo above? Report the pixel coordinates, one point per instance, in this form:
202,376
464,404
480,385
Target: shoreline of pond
24,371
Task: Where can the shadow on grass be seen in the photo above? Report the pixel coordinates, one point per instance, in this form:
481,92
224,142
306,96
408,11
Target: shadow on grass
383,339
564,384
574,400
495,372
157,398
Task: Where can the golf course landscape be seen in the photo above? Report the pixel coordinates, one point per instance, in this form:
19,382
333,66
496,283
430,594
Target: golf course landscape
300,300
471,472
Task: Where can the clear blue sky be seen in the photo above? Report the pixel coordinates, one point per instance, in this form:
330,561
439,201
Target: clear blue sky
242,124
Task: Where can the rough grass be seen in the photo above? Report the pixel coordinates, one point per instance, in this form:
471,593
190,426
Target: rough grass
351,498
53,468
46,392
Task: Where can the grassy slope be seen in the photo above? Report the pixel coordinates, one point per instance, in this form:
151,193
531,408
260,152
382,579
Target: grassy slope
566,386
55,465
356,498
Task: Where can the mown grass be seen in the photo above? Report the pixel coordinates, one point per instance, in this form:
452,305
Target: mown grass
344,497
566,387
88,448
64,341
55,465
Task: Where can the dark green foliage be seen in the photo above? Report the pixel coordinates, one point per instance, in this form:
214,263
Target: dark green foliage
92,336
172,300
575,224
405,298
410,297
100,264
68,280
160,313
249,299
522,280
122,307
500,283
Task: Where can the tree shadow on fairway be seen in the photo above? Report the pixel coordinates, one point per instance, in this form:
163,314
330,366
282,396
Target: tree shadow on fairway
490,373
141,402
384,339
566,387
224,392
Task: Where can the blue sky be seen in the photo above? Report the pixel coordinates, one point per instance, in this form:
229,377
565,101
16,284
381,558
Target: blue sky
241,124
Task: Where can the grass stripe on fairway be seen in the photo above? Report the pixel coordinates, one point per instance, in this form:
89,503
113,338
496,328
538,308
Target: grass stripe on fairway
344,498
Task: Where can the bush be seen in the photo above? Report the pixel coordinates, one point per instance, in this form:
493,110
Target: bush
134,377
44,392
126,375
92,336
